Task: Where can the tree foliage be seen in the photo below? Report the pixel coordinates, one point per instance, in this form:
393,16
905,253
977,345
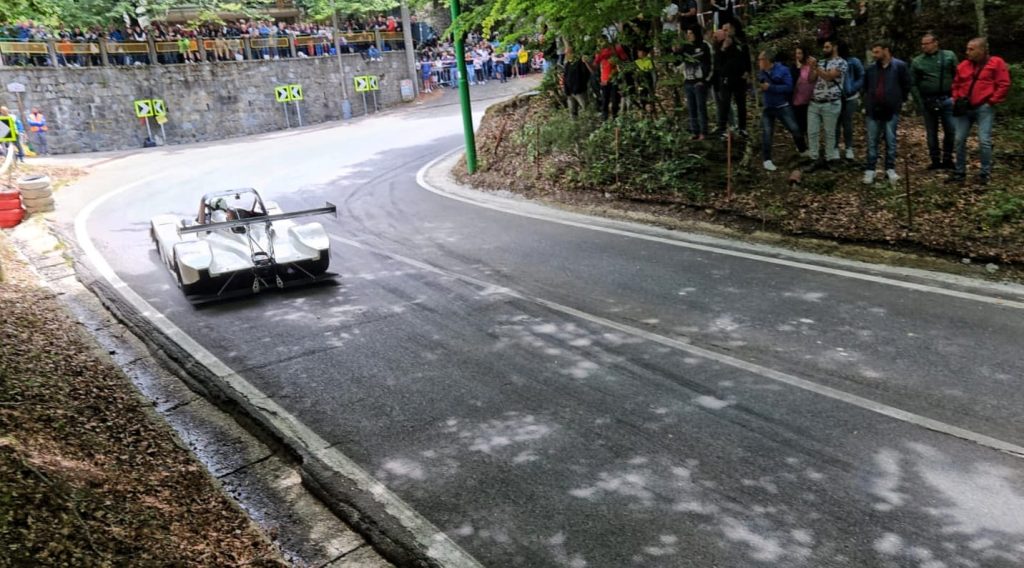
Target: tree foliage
321,9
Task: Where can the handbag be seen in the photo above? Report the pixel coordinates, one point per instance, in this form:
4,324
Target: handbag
962,105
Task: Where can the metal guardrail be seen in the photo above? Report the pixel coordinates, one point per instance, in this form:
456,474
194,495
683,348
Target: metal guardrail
107,52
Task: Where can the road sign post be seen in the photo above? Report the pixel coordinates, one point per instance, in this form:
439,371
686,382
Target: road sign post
362,85
144,110
296,95
374,87
160,112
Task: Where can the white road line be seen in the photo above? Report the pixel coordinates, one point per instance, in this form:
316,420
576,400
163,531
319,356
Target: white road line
755,368
438,545
422,181
836,394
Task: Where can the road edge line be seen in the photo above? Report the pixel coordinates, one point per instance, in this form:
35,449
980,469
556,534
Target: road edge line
717,245
429,542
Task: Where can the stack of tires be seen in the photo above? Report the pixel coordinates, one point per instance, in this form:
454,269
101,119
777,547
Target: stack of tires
11,212
36,193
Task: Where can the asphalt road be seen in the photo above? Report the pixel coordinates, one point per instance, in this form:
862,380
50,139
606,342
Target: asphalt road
551,395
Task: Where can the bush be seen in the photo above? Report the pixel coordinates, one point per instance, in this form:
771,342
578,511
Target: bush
652,157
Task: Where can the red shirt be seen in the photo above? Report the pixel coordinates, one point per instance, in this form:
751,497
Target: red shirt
993,81
607,58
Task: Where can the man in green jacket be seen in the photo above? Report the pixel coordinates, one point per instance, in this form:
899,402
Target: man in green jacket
932,74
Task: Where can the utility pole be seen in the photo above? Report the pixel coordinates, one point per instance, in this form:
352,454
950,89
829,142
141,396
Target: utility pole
410,47
346,106
467,111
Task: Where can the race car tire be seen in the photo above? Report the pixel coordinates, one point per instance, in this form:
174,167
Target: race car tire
34,182
187,289
318,266
37,193
40,205
10,200
10,218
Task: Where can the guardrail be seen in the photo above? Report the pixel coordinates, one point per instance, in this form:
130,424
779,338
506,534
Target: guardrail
103,52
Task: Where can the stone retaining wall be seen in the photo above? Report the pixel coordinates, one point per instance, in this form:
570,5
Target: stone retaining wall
90,109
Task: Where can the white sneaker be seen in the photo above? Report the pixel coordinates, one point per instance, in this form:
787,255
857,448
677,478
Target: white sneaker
768,165
892,175
849,154
869,178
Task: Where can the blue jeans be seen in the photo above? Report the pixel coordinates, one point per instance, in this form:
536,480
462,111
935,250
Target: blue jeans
931,127
875,129
697,104
844,129
983,116
788,118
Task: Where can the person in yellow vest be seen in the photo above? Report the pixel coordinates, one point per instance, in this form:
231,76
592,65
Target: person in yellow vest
524,59
37,126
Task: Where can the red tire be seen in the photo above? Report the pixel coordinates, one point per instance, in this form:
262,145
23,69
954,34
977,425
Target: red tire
10,199
11,217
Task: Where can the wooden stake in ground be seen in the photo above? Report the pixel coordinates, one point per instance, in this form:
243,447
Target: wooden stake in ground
910,205
728,165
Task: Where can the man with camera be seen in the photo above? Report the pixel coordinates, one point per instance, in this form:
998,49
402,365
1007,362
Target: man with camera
982,81
932,74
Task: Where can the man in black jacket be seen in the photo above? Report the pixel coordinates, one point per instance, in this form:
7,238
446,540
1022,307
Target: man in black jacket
886,88
576,77
732,70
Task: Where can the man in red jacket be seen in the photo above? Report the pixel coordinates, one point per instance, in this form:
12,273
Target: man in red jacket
982,81
607,60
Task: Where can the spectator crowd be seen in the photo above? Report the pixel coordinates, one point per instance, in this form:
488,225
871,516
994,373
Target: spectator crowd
814,93
308,39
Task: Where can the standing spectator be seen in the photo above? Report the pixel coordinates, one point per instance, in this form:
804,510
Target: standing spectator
803,85
576,78
826,104
523,61
427,73
499,66
688,15
37,126
724,12
932,74
853,82
698,72
886,89
776,82
607,59
732,69
982,82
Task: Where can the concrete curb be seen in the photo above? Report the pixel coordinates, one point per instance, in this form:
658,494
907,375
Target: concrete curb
249,467
437,178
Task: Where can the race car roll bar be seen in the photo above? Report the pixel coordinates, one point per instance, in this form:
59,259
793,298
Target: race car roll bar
330,209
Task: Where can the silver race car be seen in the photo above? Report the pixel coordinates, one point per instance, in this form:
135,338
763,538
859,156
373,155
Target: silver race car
238,241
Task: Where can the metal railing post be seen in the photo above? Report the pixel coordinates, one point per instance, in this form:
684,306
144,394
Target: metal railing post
51,48
201,44
247,46
104,52
153,56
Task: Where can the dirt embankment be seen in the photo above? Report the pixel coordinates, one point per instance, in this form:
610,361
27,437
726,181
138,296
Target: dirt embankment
87,476
528,146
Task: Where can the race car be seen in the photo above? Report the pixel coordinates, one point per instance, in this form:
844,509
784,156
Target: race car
238,241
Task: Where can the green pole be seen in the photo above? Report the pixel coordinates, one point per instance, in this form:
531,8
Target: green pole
467,111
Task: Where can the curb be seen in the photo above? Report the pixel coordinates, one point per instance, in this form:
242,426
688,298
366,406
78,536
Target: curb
437,178
398,533
249,469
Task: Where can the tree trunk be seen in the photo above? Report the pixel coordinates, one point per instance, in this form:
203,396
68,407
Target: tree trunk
979,10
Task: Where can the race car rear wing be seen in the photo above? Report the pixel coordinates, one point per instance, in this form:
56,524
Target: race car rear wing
330,209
